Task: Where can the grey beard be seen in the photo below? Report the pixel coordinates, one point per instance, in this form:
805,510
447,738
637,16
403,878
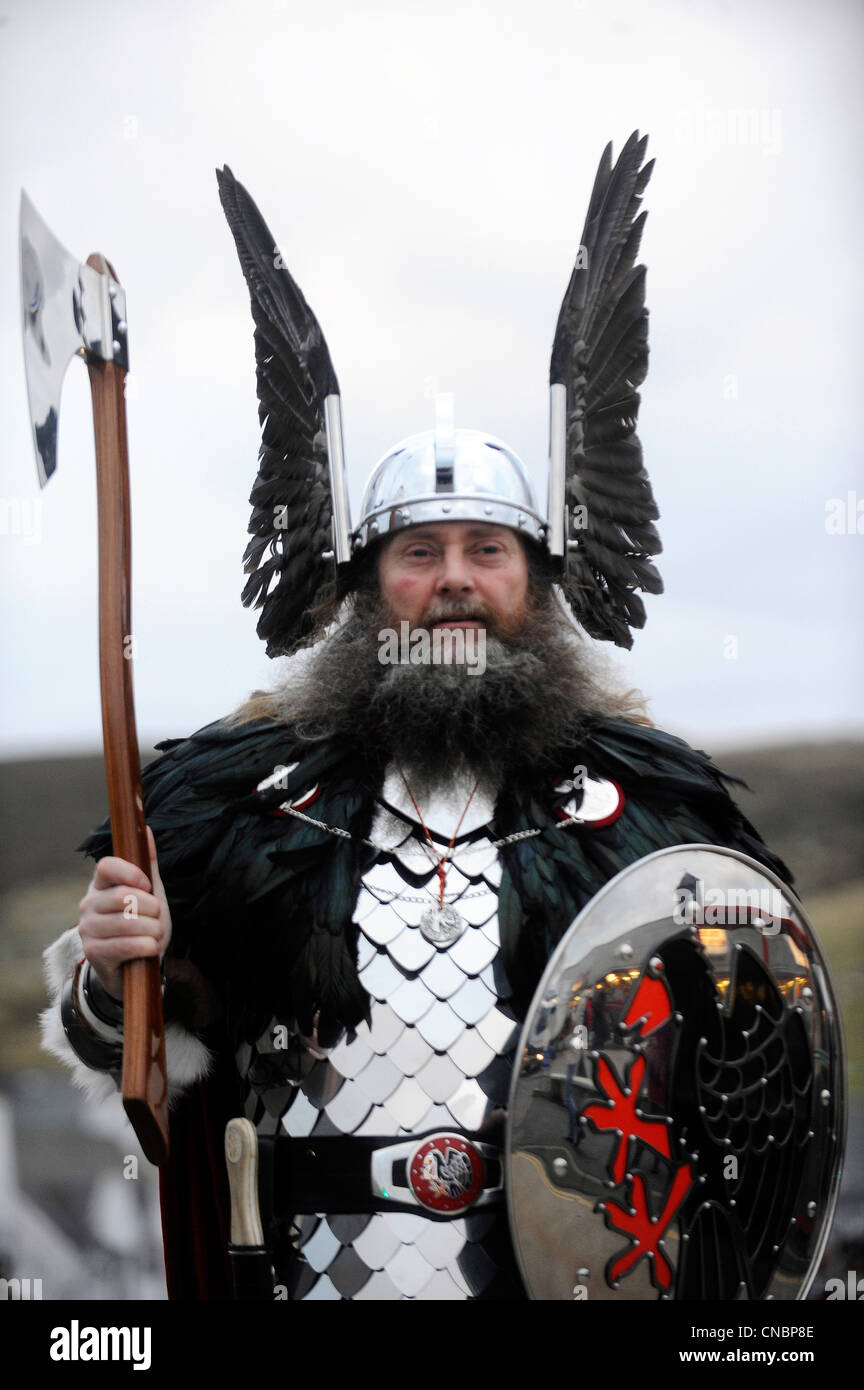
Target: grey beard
514,720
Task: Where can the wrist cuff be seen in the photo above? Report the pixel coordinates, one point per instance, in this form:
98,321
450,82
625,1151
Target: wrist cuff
93,1050
94,994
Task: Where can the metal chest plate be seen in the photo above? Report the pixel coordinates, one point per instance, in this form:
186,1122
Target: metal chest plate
436,1056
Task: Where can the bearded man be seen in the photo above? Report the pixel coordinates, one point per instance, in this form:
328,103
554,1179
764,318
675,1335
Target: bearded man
362,873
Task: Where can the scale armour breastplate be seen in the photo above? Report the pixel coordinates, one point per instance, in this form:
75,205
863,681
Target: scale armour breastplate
436,1055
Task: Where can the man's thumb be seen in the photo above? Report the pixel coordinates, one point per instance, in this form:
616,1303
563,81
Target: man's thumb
155,877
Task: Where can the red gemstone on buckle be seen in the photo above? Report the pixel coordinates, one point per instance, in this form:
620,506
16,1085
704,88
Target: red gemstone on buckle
446,1173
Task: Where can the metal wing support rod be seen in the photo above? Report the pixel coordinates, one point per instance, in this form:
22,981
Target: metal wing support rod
338,486
70,309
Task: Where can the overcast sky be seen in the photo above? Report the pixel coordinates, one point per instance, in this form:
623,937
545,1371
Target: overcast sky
426,170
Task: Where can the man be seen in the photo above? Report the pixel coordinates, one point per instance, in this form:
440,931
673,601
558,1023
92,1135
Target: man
358,877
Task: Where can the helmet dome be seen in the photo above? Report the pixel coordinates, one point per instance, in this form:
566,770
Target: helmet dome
463,476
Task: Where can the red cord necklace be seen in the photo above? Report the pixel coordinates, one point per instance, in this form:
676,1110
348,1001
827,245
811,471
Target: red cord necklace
441,924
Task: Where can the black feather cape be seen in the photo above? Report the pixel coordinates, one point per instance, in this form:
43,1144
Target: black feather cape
262,904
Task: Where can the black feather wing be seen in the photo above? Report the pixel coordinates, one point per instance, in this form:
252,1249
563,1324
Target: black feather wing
291,521
600,354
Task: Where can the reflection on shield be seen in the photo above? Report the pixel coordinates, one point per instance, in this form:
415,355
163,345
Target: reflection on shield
676,1123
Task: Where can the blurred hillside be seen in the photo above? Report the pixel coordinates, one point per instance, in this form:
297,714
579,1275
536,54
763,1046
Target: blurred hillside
807,801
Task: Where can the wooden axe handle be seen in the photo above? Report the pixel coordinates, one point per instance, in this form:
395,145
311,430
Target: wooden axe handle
145,1090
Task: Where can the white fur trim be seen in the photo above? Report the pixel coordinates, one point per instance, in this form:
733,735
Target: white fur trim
60,960
97,1085
187,1059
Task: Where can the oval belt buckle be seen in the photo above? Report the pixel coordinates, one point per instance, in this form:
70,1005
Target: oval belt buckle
445,1173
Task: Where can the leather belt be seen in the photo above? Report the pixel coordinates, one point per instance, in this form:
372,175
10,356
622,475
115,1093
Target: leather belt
443,1173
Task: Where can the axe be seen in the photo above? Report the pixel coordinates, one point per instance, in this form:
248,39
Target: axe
68,310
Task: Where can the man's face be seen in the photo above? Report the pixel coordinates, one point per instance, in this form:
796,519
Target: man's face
457,574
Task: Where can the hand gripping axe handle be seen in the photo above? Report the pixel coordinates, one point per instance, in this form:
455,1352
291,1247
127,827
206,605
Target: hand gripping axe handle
68,310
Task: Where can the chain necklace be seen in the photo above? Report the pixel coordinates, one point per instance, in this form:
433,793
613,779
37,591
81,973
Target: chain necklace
364,839
441,924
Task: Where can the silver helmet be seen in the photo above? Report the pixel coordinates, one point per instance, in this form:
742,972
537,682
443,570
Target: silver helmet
599,533
448,475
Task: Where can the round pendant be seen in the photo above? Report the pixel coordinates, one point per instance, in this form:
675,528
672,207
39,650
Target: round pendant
442,925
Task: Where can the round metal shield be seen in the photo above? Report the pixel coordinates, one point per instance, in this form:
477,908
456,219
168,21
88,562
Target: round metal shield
676,1120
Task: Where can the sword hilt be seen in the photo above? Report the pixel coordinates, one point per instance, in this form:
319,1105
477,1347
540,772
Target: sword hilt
250,1261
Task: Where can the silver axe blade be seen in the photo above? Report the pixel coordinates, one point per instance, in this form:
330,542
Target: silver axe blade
69,310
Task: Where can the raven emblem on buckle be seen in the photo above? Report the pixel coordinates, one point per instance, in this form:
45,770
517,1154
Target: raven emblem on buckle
446,1174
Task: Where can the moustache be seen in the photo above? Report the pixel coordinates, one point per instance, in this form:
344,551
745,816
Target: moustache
453,613
465,610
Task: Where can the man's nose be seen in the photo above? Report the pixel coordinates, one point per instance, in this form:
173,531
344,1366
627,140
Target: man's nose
454,574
